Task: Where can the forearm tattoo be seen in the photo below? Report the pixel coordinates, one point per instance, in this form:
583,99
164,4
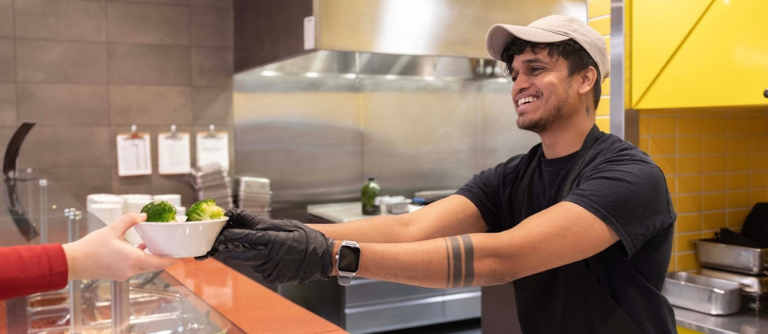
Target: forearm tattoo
460,257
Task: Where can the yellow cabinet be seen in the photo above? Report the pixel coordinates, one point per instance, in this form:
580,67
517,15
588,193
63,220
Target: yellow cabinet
697,53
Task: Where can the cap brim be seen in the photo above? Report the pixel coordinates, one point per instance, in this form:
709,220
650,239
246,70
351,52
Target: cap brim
501,34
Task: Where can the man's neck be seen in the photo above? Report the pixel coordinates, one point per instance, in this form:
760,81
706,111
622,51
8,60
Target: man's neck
565,138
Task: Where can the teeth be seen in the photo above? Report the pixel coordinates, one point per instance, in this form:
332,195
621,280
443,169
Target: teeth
525,100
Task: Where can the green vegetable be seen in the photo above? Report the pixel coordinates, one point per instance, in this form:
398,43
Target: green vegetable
160,212
204,210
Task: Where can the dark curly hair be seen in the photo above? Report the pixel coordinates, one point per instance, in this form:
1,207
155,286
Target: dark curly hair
577,58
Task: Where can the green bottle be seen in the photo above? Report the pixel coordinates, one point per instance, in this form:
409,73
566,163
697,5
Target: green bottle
371,197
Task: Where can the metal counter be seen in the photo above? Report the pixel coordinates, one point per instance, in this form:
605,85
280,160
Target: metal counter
368,305
743,322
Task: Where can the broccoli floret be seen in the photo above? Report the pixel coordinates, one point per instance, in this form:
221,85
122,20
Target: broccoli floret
204,210
160,212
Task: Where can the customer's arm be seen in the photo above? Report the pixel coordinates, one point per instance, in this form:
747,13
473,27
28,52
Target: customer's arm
453,215
560,235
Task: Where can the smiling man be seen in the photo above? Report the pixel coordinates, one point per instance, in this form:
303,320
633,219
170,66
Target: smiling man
581,225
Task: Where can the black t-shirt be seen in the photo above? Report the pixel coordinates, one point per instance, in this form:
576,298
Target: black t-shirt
624,188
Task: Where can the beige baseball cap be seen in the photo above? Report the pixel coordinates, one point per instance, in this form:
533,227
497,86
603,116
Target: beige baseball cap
551,29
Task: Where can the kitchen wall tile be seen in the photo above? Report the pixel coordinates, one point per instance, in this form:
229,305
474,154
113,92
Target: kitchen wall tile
689,164
739,199
602,25
603,107
212,3
212,105
6,18
739,145
81,182
167,2
708,234
714,126
668,165
739,125
687,261
663,145
671,184
144,23
6,132
61,20
61,62
759,195
662,126
690,126
7,60
688,183
759,161
689,222
759,145
759,126
714,182
714,164
597,8
739,181
739,163
684,243
737,217
160,105
67,147
211,66
64,105
759,179
149,64
212,27
689,145
714,220
604,123
230,129
688,203
7,104
714,201
714,145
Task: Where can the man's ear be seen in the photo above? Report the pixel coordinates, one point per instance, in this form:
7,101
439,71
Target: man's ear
587,79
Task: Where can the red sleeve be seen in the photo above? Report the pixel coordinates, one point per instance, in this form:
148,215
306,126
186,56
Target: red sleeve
29,269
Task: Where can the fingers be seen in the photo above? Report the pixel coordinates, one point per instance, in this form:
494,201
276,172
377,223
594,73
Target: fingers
253,239
127,221
155,263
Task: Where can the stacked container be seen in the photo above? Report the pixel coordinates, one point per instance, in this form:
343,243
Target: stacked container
212,182
254,195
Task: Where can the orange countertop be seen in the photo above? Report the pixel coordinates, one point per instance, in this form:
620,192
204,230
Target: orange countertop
247,304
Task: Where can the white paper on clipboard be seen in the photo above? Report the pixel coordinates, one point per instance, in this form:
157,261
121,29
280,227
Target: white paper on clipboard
134,155
213,149
173,155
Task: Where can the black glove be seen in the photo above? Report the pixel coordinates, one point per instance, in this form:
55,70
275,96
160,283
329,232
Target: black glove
283,251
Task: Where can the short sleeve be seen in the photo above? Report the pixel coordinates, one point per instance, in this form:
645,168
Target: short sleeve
630,196
485,191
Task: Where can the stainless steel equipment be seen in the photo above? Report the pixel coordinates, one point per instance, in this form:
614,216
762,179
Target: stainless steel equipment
729,257
754,289
703,294
369,306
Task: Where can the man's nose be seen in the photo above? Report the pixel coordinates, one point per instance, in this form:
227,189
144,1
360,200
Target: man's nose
521,84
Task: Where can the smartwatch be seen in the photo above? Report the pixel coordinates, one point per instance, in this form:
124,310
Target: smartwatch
348,261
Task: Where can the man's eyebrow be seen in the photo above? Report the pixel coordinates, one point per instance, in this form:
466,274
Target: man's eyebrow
527,62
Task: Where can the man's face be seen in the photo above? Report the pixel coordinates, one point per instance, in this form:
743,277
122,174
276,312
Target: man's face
541,91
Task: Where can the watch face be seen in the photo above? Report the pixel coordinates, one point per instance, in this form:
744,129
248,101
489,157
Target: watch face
349,259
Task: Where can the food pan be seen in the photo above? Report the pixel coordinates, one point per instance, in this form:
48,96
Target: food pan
751,284
702,294
734,258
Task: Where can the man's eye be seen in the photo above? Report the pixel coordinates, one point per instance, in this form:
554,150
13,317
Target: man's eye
536,69
514,78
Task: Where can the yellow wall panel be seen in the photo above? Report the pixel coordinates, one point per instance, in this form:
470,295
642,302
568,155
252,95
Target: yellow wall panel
714,201
713,126
663,146
737,217
668,165
605,89
760,179
688,183
653,43
713,164
714,145
602,25
684,241
759,161
689,203
689,145
604,107
738,181
714,182
687,261
759,195
690,126
671,184
690,222
739,163
739,145
739,199
662,126
689,165
759,145
598,8
727,45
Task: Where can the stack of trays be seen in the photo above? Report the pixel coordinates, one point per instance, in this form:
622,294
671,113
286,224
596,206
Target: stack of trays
745,265
212,182
254,195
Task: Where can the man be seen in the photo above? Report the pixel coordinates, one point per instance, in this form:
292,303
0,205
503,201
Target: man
582,224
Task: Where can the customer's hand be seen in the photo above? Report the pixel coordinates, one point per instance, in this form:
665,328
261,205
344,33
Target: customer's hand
283,251
103,254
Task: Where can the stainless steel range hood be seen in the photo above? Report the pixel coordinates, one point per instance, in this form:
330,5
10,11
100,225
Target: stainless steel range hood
267,31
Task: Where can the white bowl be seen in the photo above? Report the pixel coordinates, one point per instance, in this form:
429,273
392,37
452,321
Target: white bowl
180,240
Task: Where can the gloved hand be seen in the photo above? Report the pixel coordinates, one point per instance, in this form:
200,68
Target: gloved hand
283,251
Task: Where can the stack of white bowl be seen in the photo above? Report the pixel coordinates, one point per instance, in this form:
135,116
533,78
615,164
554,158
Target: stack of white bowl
212,182
254,195
108,208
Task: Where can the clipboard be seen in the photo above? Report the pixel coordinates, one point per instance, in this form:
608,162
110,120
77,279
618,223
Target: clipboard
173,152
134,153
